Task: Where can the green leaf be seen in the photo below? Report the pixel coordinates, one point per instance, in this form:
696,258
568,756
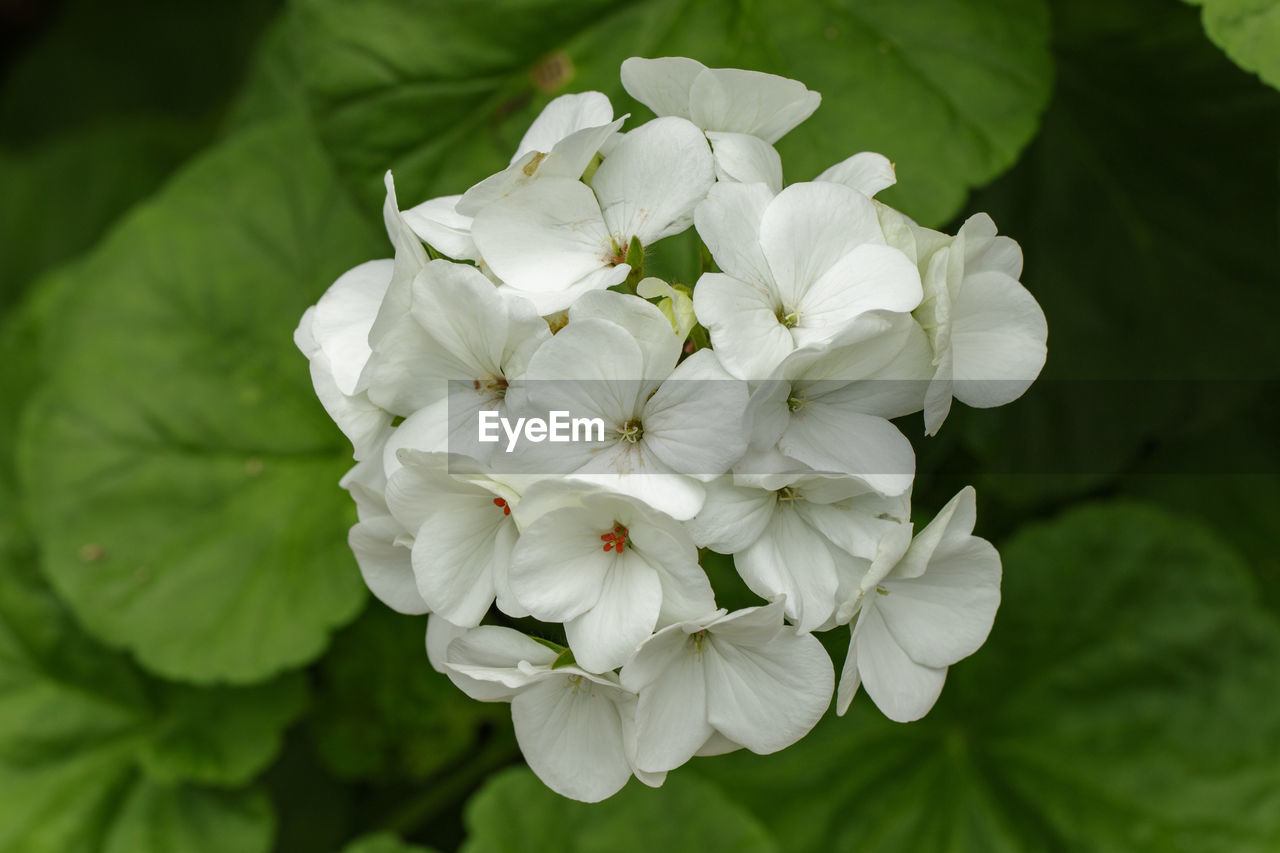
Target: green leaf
383,842
83,734
1248,31
515,813
1125,701
52,213
129,58
382,713
180,472
442,92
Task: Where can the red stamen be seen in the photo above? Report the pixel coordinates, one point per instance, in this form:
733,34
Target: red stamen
499,502
616,540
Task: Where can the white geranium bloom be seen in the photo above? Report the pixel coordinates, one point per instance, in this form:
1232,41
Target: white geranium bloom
666,427
607,566
742,678
558,238
799,268
561,143
828,405
574,727
798,540
987,330
742,112
463,534
458,327
925,604
719,99
381,544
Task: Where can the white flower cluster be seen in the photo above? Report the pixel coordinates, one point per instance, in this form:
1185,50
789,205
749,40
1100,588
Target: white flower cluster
749,414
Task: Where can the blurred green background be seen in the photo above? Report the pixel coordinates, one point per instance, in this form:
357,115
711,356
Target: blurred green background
188,660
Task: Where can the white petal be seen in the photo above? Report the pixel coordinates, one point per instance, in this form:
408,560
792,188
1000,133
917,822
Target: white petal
608,634
344,316
561,117
485,662
807,228
902,689
385,565
559,565
671,713
663,84
850,678
945,614
694,421
733,517
767,697
746,159
650,183
455,557
728,221
744,325
543,237
866,172
764,105
952,526
791,559
571,735
438,223
833,438
998,335
869,278
659,345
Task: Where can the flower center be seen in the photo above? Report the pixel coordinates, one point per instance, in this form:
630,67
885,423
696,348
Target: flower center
631,431
502,505
495,386
616,539
788,493
789,319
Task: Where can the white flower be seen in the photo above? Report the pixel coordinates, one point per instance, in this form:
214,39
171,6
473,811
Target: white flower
607,566
719,99
558,238
925,604
457,327
463,534
665,426
561,143
799,268
742,677
867,172
798,538
987,331
574,727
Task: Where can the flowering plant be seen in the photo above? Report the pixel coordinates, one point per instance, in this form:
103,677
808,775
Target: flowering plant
748,413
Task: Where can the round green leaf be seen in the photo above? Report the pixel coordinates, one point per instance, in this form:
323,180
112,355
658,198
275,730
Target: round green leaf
94,756
1125,701
515,813
1249,32
180,472
441,92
